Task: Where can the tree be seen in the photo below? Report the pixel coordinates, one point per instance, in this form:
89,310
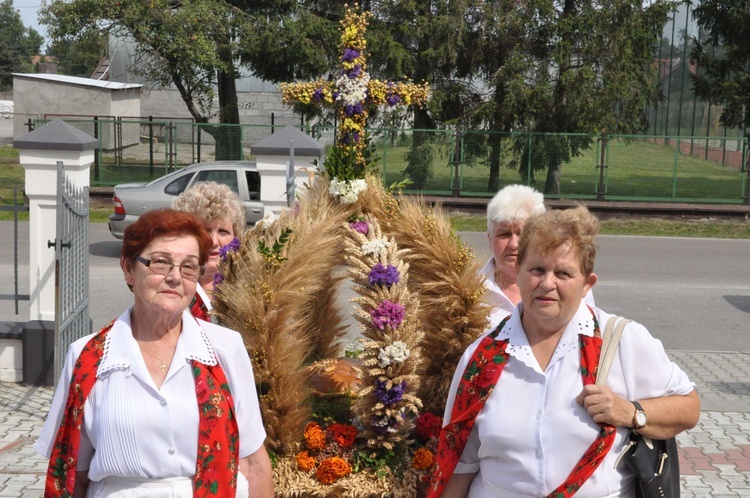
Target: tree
78,57
561,67
723,58
18,44
195,46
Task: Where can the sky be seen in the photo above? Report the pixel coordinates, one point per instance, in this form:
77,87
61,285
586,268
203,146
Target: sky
28,10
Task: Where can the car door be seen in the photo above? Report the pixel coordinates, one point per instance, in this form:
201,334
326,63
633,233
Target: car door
229,177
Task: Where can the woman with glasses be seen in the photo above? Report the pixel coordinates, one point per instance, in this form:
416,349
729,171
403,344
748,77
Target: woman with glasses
158,403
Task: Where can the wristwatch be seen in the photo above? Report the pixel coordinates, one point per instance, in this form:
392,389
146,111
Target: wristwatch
639,417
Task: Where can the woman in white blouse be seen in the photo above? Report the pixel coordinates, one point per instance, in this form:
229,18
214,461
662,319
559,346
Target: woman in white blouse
158,403
544,412
506,214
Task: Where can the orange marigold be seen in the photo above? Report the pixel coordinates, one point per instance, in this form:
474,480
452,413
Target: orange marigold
343,434
304,461
332,469
423,459
315,437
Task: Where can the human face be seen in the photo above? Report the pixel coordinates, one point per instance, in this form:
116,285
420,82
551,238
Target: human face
551,287
163,294
222,233
504,243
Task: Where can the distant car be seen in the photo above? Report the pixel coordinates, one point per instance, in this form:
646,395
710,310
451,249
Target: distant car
133,199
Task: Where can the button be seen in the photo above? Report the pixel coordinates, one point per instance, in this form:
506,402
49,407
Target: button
163,403
538,415
171,451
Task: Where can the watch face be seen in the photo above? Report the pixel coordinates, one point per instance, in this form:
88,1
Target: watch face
640,419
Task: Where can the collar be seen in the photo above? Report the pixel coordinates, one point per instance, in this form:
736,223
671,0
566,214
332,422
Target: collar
121,350
518,344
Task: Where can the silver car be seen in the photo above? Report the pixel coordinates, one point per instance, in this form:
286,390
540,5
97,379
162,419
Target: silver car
133,199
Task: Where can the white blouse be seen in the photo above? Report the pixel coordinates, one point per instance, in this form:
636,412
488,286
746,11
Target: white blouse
133,429
531,432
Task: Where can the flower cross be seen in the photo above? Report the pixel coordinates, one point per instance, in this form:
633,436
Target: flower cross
353,91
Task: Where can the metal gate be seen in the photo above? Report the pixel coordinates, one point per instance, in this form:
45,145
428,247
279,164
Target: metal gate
71,266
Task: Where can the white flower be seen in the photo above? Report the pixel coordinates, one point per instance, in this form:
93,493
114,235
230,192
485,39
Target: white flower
352,90
347,191
374,246
396,352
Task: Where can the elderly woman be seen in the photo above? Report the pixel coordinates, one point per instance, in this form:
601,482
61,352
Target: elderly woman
158,403
506,214
224,214
523,410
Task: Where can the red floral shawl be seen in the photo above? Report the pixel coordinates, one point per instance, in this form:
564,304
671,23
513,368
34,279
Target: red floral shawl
199,308
218,435
477,382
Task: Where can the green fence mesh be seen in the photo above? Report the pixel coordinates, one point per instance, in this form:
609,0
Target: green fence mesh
448,162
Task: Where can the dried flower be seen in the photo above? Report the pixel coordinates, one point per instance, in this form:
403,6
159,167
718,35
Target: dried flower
395,352
423,459
304,461
315,438
389,396
360,226
332,469
384,275
344,435
427,425
387,314
374,247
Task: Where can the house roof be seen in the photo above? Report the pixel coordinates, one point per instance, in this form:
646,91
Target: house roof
75,80
277,144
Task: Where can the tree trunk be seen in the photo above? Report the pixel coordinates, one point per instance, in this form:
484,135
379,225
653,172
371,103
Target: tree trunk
496,142
552,184
228,143
419,168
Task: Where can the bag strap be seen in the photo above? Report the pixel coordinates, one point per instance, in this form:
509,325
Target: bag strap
610,342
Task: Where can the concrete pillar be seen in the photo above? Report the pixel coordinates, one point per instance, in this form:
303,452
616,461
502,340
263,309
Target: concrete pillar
271,156
39,152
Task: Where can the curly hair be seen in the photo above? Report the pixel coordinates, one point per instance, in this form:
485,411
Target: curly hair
549,231
211,200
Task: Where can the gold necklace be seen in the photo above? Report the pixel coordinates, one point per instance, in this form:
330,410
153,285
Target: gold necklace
162,366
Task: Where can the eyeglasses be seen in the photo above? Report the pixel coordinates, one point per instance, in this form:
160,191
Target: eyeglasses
162,266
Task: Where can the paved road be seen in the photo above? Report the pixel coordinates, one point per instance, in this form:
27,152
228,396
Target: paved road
694,294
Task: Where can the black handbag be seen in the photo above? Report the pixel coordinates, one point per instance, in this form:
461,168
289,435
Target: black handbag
656,466
654,462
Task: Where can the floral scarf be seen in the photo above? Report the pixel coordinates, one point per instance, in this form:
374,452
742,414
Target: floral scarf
199,309
476,384
218,435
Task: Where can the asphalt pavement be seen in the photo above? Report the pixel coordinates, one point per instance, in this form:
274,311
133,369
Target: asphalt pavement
693,294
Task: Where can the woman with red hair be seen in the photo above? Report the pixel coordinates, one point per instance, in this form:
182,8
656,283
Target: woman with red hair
158,403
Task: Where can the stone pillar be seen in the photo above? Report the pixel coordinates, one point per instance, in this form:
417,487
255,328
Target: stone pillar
271,155
39,152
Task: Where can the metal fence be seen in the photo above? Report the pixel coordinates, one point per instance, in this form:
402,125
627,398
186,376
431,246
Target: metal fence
465,163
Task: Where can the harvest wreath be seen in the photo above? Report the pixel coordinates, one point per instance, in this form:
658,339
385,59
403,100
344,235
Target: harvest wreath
419,305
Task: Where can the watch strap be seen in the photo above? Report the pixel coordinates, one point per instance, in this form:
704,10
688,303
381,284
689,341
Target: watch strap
638,408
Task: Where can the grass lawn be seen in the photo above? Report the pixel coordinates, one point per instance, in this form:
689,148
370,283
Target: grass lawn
636,171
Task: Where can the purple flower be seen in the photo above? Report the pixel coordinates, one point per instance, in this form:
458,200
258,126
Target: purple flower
383,424
392,395
231,247
335,94
317,95
355,71
384,275
360,226
218,278
392,99
388,313
349,55
351,110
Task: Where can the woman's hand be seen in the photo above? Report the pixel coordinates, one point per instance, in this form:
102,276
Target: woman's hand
605,407
666,416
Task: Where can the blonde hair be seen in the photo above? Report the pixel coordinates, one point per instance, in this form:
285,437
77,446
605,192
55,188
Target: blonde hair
211,200
514,203
547,232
